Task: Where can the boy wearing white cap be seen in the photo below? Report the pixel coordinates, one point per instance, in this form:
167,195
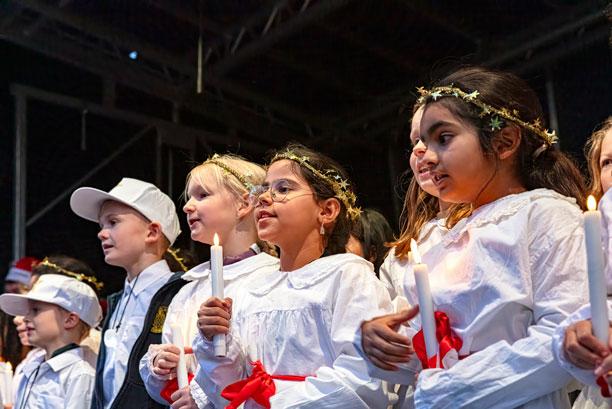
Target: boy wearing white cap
58,312
138,223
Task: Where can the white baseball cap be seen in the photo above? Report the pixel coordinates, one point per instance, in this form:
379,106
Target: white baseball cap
67,292
144,197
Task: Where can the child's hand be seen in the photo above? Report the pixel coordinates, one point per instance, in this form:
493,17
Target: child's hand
381,342
581,347
214,317
181,399
166,360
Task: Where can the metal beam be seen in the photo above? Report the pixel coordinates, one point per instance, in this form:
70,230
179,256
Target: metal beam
20,177
246,50
522,48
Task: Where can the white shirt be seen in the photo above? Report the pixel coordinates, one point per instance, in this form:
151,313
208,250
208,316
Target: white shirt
65,381
302,323
183,310
506,277
392,269
590,397
143,288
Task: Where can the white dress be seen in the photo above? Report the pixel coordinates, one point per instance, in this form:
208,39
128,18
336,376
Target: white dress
590,397
302,323
506,277
183,310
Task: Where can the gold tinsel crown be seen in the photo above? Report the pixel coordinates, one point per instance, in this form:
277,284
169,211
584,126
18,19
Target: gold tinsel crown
79,276
340,186
242,178
495,123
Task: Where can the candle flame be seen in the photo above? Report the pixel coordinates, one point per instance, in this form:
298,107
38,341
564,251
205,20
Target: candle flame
591,203
10,367
216,239
416,256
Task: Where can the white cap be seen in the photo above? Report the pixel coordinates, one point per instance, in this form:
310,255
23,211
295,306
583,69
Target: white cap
67,292
145,197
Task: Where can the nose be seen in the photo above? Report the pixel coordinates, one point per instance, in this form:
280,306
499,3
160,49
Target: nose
428,156
265,198
419,149
188,208
103,234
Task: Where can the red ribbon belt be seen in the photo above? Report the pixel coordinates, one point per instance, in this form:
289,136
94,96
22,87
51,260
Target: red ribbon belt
171,387
259,387
447,341
603,386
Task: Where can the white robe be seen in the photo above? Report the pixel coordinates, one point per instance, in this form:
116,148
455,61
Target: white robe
302,323
590,397
183,311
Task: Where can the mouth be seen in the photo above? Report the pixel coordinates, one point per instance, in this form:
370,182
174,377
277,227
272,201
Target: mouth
438,178
262,214
193,221
106,247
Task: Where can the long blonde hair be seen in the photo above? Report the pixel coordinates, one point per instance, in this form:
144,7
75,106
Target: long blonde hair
593,154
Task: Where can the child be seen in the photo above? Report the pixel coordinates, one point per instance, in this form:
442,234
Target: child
58,312
505,276
70,267
292,330
137,225
576,349
17,280
368,237
218,202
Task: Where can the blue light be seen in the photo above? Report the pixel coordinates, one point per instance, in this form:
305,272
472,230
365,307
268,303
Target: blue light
133,55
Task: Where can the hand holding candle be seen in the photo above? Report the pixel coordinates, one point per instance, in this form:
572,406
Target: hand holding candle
216,268
181,368
595,269
426,308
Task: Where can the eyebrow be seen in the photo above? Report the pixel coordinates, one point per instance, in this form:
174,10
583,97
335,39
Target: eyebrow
425,135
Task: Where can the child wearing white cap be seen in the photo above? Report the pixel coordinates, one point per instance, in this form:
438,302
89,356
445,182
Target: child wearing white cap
138,223
58,312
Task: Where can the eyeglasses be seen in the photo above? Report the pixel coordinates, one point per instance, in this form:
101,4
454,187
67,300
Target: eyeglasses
279,192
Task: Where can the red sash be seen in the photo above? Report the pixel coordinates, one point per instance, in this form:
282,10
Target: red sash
259,387
447,341
171,387
603,386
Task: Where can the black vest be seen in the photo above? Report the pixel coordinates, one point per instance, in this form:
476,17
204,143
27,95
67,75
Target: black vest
133,393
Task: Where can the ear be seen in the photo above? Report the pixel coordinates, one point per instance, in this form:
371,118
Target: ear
507,141
245,206
329,211
154,233
71,320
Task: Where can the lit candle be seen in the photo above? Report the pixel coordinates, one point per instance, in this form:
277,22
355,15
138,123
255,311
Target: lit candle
595,269
216,269
426,308
181,367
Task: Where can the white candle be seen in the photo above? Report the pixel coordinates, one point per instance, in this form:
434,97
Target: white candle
181,368
6,371
426,308
595,269
216,269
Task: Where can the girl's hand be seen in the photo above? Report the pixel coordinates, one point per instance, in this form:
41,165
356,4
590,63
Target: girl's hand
214,317
166,360
381,342
581,347
181,399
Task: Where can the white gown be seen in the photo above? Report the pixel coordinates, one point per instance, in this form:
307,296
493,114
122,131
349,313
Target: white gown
183,310
302,323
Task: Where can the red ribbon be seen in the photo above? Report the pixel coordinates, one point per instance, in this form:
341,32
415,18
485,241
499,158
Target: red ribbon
259,387
171,387
603,386
447,341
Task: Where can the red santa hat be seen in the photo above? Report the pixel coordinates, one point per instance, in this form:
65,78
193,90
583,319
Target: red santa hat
21,270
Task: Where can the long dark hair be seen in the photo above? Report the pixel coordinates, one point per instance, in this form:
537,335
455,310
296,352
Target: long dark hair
539,165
